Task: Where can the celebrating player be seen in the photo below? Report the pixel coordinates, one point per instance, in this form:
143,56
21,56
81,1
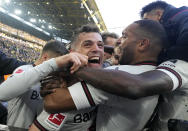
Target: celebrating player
139,53
87,41
21,90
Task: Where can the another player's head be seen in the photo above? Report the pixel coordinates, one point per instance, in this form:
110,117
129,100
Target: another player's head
50,50
154,10
109,40
141,41
87,40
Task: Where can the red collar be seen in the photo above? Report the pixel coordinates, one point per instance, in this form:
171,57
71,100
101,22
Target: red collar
147,63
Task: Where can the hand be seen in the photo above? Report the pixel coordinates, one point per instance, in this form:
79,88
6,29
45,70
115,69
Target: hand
76,60
50,83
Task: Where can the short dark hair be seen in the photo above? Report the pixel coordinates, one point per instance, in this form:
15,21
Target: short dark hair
152,6
85,28
55,47
105,35
154,31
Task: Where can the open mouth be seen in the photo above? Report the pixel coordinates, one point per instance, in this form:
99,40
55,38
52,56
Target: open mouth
94,60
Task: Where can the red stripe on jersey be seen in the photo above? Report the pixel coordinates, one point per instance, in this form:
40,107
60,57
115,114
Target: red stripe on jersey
38,125
88,94
147,63
173,72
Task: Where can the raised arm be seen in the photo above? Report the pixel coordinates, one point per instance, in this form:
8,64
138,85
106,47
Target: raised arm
22,80
19,83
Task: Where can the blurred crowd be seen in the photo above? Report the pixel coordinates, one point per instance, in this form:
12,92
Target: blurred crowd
18,49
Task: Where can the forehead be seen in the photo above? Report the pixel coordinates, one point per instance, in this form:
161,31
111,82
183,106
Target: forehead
110,40
130,29
150,14
91,36
147,15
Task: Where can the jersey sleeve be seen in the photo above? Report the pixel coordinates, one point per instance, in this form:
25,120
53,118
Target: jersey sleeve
177,70
23,78
50,122
85,95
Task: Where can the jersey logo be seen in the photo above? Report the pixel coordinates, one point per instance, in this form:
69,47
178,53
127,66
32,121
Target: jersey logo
84,117
34,95
56,120
19,71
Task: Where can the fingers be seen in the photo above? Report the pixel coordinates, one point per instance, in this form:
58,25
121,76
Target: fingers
51,85
78,61
48,79
44,93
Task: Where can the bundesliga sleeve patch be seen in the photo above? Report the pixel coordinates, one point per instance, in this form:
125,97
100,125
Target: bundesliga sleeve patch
19,71
56,120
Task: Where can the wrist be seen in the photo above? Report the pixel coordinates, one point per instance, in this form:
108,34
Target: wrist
61,60
80,71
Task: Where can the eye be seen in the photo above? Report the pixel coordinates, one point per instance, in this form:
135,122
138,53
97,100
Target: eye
87,44
101,45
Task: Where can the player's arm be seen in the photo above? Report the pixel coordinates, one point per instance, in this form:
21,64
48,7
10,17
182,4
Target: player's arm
78,96
126,84
134,86
59,101
19,83
23,79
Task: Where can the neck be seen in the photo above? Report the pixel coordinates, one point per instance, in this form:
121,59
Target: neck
154,60
38,62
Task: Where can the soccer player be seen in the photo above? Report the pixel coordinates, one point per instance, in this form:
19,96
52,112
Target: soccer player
7,66
170,78
87,41
141,43
21,90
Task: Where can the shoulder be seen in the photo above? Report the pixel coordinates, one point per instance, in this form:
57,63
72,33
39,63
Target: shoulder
133,69
177,70
22,68
174,63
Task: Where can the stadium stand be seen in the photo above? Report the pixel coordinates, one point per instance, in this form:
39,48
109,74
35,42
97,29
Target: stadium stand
19,49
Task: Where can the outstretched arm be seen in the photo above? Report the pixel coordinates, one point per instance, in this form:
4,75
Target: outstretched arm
168,76
126,84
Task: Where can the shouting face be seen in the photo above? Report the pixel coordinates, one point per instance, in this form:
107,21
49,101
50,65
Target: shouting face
91,44
128,44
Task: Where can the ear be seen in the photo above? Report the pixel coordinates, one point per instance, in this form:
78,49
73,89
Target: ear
143,45
45,56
